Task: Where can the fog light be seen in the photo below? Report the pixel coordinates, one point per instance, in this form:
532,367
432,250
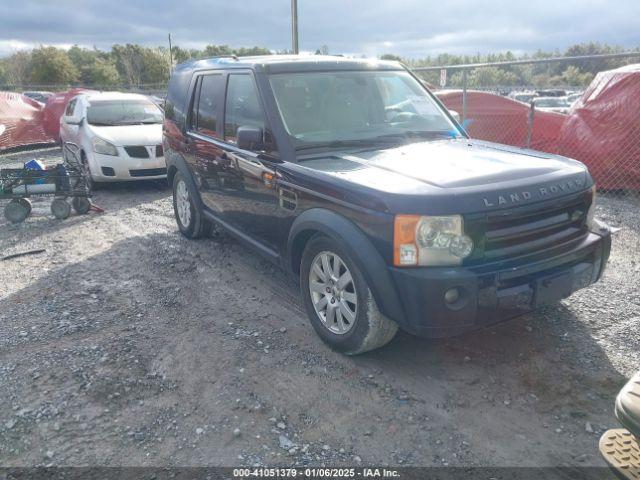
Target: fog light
452,295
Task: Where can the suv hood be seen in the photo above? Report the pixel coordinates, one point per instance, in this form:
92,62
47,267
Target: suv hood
130,134
482,175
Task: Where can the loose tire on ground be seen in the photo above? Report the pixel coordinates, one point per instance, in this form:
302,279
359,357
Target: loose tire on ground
17,210
60,208
369,328
189,218
81,205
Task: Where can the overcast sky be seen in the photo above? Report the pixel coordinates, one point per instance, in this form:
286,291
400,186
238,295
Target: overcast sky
410,28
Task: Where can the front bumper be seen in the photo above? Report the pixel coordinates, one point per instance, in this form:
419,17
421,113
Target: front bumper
111,168
490,294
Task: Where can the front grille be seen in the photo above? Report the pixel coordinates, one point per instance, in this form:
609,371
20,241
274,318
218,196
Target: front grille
148,172
137,151
528,230
159,151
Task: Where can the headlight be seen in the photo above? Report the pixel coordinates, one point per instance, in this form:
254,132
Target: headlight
103,147
592,209
435,241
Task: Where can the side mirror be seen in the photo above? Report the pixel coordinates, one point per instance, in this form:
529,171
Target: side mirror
249,138
455,115
73,120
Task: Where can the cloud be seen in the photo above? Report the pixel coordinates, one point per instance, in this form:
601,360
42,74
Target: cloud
412,28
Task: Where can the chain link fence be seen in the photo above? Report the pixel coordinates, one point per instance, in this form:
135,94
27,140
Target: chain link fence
157,89
594,119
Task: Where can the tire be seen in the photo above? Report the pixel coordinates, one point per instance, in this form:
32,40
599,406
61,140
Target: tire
81,205
189,218
17,211
360,326
60,208
86,170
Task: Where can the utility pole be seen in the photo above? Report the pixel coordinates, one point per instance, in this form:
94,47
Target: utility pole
170,55
294,26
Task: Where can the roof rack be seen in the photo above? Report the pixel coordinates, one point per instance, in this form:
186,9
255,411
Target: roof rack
235,57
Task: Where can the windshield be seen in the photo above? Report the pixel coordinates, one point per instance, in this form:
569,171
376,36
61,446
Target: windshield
525,97
550,102
123,112
324,109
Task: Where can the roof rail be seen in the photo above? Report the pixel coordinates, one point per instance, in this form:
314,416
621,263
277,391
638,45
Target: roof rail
234,56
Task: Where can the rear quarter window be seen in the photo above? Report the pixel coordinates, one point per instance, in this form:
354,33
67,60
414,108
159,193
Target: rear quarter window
207,103
177,96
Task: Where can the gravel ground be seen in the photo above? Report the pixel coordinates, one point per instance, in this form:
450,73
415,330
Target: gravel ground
126,344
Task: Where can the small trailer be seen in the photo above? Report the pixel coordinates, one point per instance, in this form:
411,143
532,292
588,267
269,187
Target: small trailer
66,180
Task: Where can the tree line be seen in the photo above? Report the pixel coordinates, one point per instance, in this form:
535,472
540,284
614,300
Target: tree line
577,73
133,65
127,65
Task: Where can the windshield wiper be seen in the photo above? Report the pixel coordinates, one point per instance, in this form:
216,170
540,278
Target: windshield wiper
422,134
361,142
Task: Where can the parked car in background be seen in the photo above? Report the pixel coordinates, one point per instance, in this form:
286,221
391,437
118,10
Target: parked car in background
574,97
119,135
524,97
159,101
40,97
551,92
350,175
552,104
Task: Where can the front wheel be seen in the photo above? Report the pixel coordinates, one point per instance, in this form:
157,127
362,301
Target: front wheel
17,210
86,172
189,218
338,300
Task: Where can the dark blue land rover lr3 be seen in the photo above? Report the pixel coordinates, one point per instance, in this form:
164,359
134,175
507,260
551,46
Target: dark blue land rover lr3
354,178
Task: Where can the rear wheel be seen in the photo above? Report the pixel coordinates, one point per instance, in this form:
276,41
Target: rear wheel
17,210
189,218
81,205
338,300
60,208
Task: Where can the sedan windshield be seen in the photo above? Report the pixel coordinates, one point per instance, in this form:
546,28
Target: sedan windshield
337,109
123,112
551,102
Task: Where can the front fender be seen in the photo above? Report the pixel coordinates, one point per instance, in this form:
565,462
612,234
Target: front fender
359,248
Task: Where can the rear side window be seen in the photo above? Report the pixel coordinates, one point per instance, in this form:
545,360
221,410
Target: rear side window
207,105
242,107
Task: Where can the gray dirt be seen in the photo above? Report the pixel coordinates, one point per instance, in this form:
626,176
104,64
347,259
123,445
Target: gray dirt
127,344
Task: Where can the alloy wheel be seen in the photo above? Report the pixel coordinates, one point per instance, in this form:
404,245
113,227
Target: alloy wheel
333,292
183,204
